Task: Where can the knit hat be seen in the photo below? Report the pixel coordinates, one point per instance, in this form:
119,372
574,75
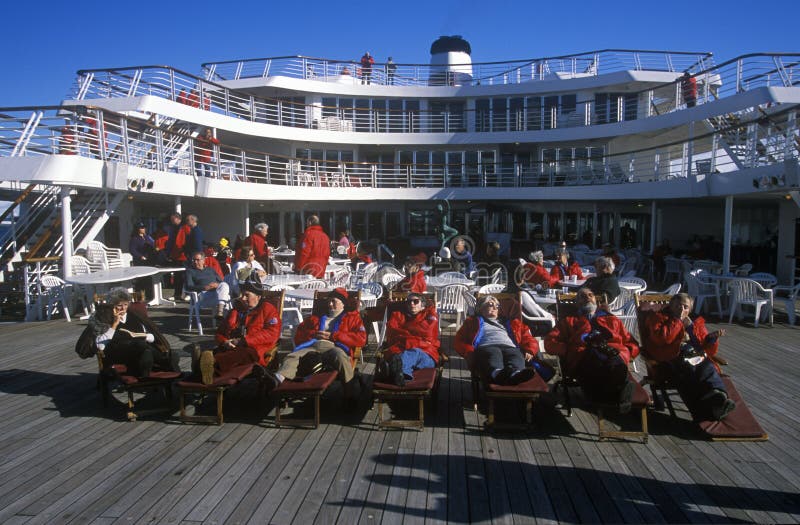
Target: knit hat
339,293
253,286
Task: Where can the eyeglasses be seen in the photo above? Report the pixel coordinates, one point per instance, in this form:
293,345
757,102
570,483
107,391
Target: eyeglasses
414,301
197,260
492,305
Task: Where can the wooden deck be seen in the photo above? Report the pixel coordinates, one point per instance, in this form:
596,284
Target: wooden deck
66,459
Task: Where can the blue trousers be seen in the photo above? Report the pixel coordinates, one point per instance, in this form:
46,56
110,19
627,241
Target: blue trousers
694,382
491,358
414,359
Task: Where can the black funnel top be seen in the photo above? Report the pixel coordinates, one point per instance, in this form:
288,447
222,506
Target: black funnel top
447,44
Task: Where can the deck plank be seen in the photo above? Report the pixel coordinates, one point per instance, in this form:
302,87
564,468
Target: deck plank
64,458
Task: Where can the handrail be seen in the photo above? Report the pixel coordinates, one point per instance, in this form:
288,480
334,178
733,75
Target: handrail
21,197
131,140
219,99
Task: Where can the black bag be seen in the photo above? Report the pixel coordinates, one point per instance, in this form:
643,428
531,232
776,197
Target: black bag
310,364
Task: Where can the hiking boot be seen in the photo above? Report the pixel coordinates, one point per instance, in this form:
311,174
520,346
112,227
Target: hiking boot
503,376
220,310
194,350
267,379
207,367
719,404
396,370
728,407
520,376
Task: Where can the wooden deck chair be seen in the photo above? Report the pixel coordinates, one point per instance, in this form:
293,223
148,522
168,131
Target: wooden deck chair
657,377
316,385
566,306
117,374
527,392
231,378
425,383
739,425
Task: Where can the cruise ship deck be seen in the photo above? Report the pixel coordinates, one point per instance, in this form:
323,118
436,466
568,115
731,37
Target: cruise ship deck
65,459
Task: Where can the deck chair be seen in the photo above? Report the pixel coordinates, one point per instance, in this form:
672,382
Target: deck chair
739,425
640,400
316,385
424,385
527,392
110,375
227,380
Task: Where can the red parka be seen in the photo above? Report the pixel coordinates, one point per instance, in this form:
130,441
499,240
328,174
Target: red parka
312,252
664,335
414,283
263,328
534,274
405,331
347,334
565,340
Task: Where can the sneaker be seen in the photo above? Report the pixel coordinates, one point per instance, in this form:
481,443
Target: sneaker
207,367
220,310
268,380
520,376
189,410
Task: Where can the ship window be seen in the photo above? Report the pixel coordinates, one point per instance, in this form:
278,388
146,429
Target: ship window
375,225
437,116
396,117
482,115
359,225
536,226
518,225
534,113
363,118
499,116
329,108
517,114
393,223
412,116
421,223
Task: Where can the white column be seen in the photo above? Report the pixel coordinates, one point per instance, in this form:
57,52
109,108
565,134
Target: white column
246,218
594,227
178,205
726,241
66,230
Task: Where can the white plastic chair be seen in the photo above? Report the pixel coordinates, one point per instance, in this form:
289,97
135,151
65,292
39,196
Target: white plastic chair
451,300
670,290
672,267
306,305
702,290
491,288
531,311
743,270
55,291
340,277
749,292
195,306
767,280
375,289
789,300
638,281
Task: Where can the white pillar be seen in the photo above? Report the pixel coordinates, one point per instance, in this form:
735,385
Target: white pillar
178,205
66,230
653,230
594,227
246,218
726,241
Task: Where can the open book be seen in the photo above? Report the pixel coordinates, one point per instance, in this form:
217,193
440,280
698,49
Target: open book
133,334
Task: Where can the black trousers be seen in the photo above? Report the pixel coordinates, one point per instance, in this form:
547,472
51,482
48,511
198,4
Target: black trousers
491,358
695,382
140,357
602,378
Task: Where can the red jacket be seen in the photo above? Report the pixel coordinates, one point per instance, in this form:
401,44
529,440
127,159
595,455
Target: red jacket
404,331
664,335
180,241
534,274
312,252
259,245
414,283
557,272
203,148
471,332
347,334
212,262
565,339
263,328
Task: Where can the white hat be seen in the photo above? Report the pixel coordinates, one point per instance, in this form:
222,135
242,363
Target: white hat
444,253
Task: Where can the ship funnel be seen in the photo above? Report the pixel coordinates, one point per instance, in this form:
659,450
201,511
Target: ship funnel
451,61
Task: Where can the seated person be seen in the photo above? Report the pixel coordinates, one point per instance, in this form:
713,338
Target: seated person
334,335
685,347
414,281
498,348
605,282
243,269
249,332
534,273
118,333
412,336
595,348
611,252
214,292
462,257
563,269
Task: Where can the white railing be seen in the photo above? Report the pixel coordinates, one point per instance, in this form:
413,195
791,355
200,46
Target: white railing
772,138
505,72
517,114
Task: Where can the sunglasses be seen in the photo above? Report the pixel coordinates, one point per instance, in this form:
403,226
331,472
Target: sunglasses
414,301
492,305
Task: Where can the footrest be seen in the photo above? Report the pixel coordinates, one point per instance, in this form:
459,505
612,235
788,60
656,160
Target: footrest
417,389
221,383
313,387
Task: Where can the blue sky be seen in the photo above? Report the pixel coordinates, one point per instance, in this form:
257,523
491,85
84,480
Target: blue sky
47,42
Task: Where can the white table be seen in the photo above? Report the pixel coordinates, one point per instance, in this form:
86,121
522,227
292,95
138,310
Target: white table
286,279
572,284
287,254
102,278
434,281
308,293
